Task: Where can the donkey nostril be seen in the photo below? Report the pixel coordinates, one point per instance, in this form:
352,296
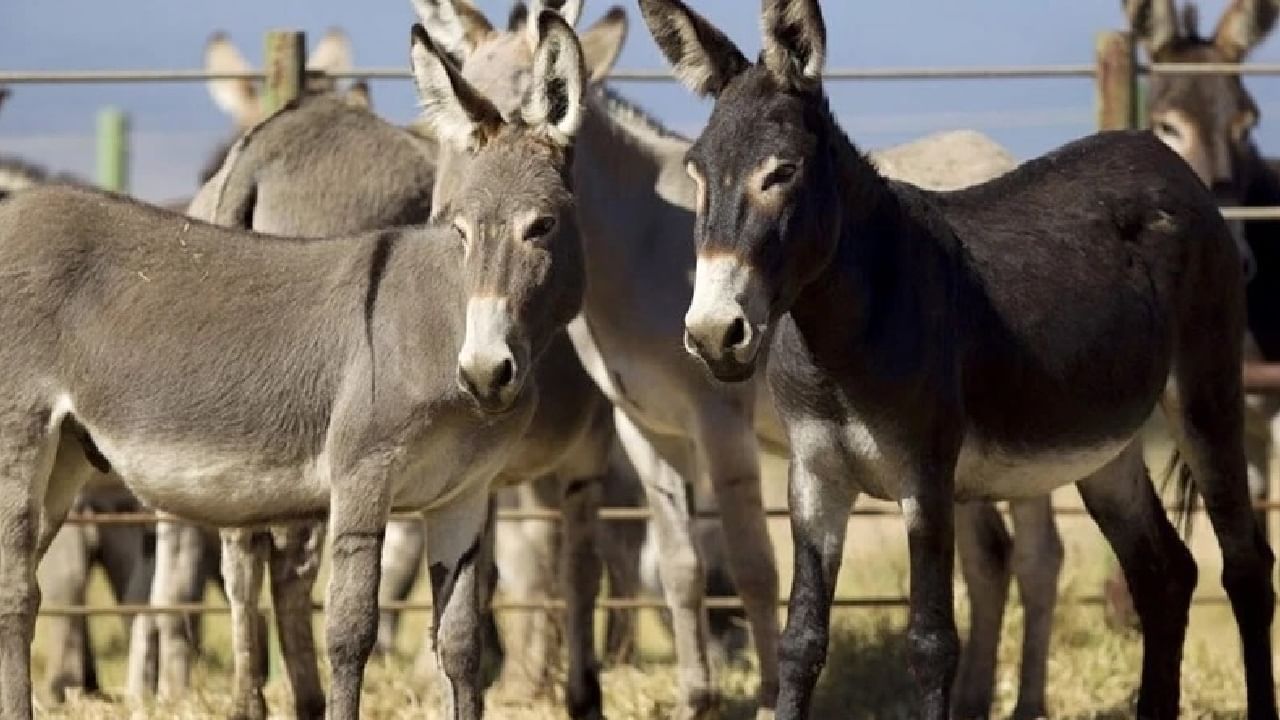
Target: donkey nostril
736,335
505,373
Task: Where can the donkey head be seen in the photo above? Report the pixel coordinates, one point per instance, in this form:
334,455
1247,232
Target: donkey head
239,97
764,171
1206,119
512,206
498,62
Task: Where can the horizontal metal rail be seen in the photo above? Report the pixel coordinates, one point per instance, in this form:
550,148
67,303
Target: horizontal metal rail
541,605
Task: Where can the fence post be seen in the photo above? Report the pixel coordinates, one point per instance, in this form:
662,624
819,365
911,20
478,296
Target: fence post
1117,81
113,149
285,65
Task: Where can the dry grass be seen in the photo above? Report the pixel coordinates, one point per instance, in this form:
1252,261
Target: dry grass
1093,670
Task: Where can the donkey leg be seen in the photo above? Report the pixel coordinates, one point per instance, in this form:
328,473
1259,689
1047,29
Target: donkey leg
1157,566
63,575
680,567
358,513
820,505
1037,562
177,580
581,570
525,553
984,549
455,549
402,554
731,457
244,551
295,562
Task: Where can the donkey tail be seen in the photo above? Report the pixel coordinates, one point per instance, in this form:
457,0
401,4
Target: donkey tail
1178,475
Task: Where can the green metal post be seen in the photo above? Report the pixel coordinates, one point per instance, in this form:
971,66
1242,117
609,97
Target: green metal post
113,149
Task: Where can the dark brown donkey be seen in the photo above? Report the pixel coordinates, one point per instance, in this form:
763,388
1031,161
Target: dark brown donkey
908,328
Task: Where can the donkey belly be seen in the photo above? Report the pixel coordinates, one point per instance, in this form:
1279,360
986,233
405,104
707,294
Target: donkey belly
989,472
217,487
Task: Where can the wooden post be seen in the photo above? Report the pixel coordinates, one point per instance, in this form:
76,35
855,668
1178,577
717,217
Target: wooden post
1116,81
113,150
285,65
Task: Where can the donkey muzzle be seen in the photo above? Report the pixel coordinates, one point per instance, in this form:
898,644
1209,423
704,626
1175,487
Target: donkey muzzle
490,368
720,327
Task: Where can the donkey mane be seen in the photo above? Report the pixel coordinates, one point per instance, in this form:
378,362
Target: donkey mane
634,119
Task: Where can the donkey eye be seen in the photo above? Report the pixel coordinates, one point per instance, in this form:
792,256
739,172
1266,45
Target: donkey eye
780,175
540,228
1167,129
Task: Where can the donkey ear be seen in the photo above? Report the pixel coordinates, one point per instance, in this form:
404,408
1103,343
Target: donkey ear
558,82
795,40
602,43
454,25
1154,23
237,97
456,113
332,54
1244,25
358,95
518,17
568,10
700,55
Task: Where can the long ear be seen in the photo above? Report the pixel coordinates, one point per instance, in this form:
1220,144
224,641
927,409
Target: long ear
518,17
568,10
795,40
455,25
700,55
456,113
1244,25
1154,23
236,97
358,95
602,43
554,104
332,54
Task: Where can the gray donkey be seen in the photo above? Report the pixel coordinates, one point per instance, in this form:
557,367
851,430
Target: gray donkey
239,379
905,330
635,208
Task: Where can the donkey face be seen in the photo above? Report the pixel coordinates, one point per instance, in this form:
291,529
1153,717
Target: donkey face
512,208
764,173
1206,119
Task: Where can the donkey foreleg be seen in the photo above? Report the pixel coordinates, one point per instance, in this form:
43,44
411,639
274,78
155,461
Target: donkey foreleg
820,504
680,568
295,562
456,553
984,548
933,645
244,552
358,512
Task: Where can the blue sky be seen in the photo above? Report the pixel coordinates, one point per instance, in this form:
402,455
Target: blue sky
175,125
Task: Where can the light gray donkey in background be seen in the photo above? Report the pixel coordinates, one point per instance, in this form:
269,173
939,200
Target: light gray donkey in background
635,211
239,379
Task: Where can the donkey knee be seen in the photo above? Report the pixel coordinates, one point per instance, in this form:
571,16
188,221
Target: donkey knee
802,653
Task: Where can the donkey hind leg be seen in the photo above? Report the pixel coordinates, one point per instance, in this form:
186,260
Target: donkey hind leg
244,552
731,458
295,562
985,550
525,554
402,554
1208,427
656,461
456,553
1157,566
820,504
34,499
63,576
178,579
619,546
1037,562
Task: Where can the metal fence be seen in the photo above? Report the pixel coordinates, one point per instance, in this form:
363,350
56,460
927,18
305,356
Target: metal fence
1117,75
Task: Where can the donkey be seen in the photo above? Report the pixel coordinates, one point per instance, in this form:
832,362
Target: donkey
905,330
239,379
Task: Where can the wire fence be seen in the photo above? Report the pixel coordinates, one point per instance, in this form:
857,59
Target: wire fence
1011,72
